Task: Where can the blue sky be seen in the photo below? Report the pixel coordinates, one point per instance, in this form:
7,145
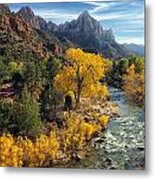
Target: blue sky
126,18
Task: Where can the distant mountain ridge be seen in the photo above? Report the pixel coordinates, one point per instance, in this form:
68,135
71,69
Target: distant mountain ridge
84,32
136,48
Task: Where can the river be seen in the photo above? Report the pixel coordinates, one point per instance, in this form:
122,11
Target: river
122,145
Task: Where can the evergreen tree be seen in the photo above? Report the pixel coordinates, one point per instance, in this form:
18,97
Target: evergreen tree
5,115
50,98
53,67
34,77
27,115
50,102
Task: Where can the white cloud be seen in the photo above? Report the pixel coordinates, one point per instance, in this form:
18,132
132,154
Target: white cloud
133,30
131,18
109,16
129,40
98,6
125,19
56,16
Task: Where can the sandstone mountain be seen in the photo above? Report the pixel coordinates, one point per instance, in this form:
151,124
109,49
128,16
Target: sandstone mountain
25,32
85,32
19,36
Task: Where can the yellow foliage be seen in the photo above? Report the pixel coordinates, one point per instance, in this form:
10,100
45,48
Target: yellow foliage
47,149
44,149
97,90
71,93
88,63
64,81
15,67
10,153
77,133
134,85
16,152
107,65
104,120
82,74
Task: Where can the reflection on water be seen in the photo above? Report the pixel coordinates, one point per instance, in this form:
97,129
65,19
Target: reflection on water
121,146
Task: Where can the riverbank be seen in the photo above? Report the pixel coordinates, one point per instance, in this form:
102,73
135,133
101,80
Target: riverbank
86,140
122,145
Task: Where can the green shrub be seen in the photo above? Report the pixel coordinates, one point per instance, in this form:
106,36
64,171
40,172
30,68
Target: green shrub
27,115
5,115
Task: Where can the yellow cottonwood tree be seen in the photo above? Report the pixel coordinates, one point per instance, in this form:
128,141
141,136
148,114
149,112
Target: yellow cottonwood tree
134,85
81,74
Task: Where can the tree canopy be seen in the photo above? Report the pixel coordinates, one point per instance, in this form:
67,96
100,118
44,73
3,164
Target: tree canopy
82,75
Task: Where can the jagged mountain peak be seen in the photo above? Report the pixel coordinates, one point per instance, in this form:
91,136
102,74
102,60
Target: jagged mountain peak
85,14
87,19
85,23
36,21
4,9
27,11
109,35
85,32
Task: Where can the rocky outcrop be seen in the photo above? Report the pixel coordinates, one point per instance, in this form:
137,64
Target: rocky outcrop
22,32
86,32
33,33
90,35
36,22
4,9
17,36
52,27
109,35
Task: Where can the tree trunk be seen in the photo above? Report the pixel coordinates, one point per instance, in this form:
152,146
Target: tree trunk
79,87
78,96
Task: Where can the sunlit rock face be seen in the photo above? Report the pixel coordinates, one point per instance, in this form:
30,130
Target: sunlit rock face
36,21
25,32
85,32
4,9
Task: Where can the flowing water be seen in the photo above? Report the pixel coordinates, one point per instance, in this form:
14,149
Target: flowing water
122,145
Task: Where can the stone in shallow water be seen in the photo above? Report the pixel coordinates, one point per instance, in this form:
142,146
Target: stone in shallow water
122,145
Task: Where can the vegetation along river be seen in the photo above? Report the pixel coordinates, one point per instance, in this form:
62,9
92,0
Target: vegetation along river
122,145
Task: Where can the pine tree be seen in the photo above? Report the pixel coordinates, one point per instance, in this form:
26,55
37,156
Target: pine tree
27,114
5,115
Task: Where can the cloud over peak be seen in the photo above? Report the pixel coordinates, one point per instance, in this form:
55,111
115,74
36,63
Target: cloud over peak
126,18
